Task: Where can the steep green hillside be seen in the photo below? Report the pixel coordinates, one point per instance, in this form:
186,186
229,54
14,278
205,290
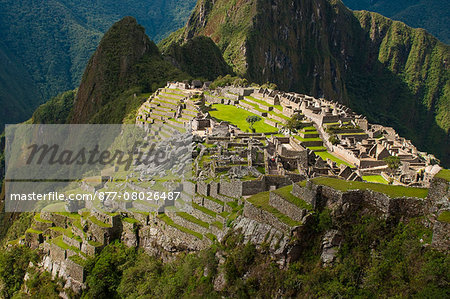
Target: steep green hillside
53,40
18,92
125,63
432,15
375,259
396,75
422,64
227,23
56,110
199,57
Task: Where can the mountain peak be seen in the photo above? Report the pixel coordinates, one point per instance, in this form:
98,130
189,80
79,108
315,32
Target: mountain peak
110,68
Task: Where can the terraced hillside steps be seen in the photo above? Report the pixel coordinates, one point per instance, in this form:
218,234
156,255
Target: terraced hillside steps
169,106
258,208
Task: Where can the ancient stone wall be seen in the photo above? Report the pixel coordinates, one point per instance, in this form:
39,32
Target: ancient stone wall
285,207
441,236
252,187
103,234
78,232
213,99
271,123
212,205
188,224
42,225
163,236
33,239
75,270
141,217
129,234
439,191
231,188
71,242
57,219
260,233
57,253
275,180
89,249
112,219
214,188
347,155
224,198
203,188
202,216
262,216
310,193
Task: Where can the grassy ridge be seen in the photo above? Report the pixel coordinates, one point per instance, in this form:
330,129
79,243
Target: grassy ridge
392,191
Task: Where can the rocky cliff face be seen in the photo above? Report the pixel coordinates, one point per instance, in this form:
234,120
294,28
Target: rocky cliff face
394,74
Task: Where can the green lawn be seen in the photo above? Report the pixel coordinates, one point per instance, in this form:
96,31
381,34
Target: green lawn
317,148
130,220
175,94
444,216
94,243
261,200
217,224
325,155
309,129
38,218
444,174
375,179
237,117
211,236
255,106
59,242
78,260
33,231
307,139
278,107
258,101
279,115
390,190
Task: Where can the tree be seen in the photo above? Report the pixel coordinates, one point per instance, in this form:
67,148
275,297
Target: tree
334,140
393,162
269,85
295,122
13,266
251,119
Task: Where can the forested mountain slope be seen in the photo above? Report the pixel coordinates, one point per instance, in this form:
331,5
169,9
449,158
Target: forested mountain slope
432,15
53,40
